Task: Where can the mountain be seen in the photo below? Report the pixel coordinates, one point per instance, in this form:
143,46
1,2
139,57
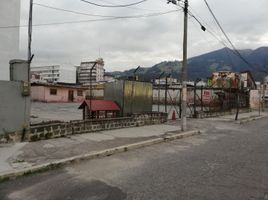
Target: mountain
202,66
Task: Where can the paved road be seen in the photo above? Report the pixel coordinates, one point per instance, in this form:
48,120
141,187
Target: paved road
229,162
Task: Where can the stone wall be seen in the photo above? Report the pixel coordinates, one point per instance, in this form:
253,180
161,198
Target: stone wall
63,129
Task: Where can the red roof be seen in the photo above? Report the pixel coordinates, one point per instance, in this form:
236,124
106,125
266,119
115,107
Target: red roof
100,105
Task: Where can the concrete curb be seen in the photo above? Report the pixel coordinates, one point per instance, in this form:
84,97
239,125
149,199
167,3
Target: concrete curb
107,152
243,121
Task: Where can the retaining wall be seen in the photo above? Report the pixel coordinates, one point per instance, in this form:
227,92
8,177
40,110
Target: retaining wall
63,129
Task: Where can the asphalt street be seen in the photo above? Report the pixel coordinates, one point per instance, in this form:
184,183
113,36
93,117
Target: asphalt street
228,162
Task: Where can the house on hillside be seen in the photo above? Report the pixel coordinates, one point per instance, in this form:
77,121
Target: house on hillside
232,80
248,80
225,80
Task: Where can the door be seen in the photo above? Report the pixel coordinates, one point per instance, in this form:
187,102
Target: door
71,95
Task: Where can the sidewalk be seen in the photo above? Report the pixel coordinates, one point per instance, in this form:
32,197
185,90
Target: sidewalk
24,155
21,157
241,116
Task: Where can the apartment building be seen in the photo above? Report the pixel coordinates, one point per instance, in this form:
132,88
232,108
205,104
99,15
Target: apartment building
53,74
91,71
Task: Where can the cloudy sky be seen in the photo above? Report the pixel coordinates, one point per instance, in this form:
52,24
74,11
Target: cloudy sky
128,43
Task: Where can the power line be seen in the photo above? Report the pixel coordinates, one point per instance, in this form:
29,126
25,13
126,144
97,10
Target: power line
226,36
209,31
192,11
70,11
207,28
114,6
216,20
76,12
93,20
129,7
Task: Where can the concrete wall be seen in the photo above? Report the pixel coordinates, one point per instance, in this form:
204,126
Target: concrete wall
255,99
55,130
14,108
38,93
9,38
15,100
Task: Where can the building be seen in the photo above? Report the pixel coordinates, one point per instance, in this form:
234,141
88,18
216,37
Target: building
90,72
60,93
248,80
162,81
9,38
53,74
108,78
97,109
232,80
225,80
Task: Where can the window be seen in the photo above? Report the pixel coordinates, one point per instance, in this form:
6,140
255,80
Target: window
80,93
53,91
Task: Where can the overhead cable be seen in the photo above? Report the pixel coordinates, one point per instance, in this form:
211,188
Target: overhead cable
76,12
226,36
114,6
92,20
129,7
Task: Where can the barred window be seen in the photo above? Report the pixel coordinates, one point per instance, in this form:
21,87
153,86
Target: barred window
80,93
53,91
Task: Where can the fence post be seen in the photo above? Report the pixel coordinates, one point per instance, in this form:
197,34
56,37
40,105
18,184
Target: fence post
180,102
237,104
202,98
195,114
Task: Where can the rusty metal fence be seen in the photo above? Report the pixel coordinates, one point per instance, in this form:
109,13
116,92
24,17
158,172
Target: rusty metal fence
202,101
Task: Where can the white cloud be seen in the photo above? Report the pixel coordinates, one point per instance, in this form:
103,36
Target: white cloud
144,41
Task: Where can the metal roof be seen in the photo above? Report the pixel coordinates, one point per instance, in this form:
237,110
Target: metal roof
100,105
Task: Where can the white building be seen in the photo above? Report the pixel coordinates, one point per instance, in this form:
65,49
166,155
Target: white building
86,72
9,37
53,74
162,81
109,78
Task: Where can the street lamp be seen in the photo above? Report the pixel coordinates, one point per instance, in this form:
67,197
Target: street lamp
90,86
134,73
132,87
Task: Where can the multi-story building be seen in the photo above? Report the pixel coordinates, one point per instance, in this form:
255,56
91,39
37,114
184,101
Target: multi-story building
92,71
53,74
9,37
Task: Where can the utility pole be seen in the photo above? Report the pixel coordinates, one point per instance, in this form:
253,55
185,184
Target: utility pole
166,91
30,26
132,87
183,93
159,88
184,68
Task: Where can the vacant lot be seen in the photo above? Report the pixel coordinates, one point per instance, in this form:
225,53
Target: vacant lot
55,111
